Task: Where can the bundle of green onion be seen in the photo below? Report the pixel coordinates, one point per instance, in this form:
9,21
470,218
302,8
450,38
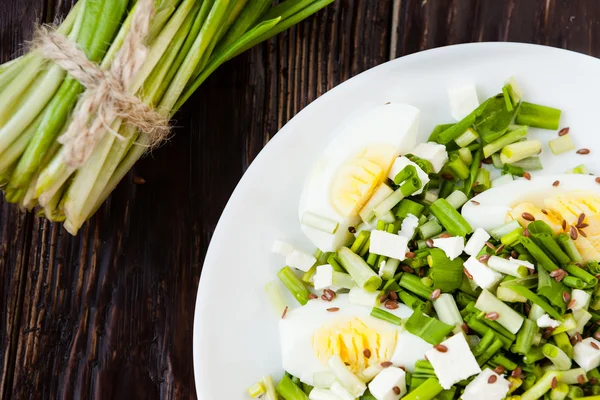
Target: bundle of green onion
187,41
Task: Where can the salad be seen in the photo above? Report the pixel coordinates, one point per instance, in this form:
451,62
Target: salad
444,269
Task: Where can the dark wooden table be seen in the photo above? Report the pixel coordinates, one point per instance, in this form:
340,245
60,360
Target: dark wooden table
109,313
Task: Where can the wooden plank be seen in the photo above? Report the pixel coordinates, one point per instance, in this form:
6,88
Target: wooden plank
109,314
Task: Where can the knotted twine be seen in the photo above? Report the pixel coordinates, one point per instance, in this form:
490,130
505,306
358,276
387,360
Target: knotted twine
107,96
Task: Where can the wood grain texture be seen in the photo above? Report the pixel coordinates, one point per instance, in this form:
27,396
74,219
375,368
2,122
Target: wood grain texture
109,314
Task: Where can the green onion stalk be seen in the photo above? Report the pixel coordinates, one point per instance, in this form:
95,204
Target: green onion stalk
187,41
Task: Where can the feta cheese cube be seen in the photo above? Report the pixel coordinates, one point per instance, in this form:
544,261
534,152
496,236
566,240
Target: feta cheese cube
382,387
546,322
463,100
409,349
435,153
586,355
476,242
300,260
409,226
452,246
323,278
282,248
454,365
388,244
400,163
481,388
582,299
484,276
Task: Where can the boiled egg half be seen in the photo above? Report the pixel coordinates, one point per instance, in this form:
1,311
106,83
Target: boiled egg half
574,199
352,166
311,334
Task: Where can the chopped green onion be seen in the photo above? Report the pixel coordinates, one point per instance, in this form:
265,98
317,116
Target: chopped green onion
550,244
557,356
502,180
496,161
568,324
458,167
520,150
538,116
561,144
447,274
507,295
389,269
457,199
406,173
294,285
475,166
504,140
447,311
524,338
256,390
407,206
533,163
507,317
562,341
483,180
560,392
428,390
507,267
275,297
386,316
289,390
511,238
572,376
499,232
413,284
451,219
481,328
349,381
466,138
552,290
429,329
429,229
367,213
582,274
465,155
538,254
568,245
430,196
573,282
323,379
269,386
581,169
409,187
319,222
489,352
433,136
414,302
359,270
446,189
361,239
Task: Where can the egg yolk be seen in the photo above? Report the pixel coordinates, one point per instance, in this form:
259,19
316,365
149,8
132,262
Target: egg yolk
359,177
349,338
569,207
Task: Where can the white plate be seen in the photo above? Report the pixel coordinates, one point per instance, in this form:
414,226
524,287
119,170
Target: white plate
235,331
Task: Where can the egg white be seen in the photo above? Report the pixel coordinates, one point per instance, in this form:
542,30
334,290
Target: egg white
489,209
393,124
296,331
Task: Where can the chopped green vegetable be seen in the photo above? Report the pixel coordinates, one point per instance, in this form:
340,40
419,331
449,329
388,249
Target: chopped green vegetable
561,144
427,328
538,116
